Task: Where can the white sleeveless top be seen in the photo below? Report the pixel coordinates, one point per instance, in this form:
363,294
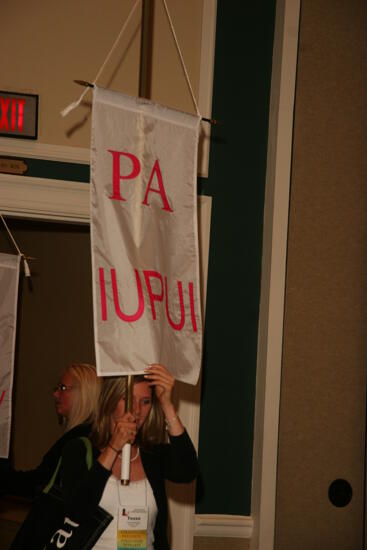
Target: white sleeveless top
137,493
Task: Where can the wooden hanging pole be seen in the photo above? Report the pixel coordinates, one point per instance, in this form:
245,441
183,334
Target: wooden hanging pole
146,48
211,121
145,78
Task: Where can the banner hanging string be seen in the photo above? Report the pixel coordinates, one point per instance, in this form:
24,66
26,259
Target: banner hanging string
181,58
27,271
76,103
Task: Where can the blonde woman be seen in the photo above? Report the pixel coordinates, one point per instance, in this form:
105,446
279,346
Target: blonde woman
76,397
153,460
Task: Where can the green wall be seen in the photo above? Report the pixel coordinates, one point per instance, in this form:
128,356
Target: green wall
236,183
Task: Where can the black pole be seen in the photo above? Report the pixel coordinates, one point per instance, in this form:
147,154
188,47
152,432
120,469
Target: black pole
146,48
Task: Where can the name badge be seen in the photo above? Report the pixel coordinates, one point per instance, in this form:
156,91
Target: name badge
132,528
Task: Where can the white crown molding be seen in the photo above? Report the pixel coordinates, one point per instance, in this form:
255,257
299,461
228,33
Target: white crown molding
41,198
46,151
60,200
223,526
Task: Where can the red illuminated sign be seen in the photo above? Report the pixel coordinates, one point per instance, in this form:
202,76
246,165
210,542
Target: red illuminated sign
18,115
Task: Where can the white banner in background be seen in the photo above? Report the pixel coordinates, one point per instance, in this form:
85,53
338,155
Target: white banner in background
144,236
9,279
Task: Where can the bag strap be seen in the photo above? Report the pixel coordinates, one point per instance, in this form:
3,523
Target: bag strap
88,459
89,455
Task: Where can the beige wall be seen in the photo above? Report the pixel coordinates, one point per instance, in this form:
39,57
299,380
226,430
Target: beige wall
322,415
55,43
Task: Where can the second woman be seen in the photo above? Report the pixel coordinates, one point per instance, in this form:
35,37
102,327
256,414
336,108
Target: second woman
139,509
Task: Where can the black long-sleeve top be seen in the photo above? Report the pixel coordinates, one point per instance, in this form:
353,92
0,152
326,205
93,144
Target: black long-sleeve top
28,483
83,488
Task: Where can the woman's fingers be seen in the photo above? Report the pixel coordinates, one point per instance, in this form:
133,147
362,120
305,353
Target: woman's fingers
158,373
124,432
126,429
159,369
162,380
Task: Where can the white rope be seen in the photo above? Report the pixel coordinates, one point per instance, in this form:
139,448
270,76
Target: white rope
116,41
10,235
181,58
76,103
27,271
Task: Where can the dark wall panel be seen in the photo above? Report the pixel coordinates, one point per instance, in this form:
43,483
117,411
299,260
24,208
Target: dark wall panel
243,61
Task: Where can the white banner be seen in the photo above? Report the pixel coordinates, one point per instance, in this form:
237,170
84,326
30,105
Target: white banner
144,237
9,279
